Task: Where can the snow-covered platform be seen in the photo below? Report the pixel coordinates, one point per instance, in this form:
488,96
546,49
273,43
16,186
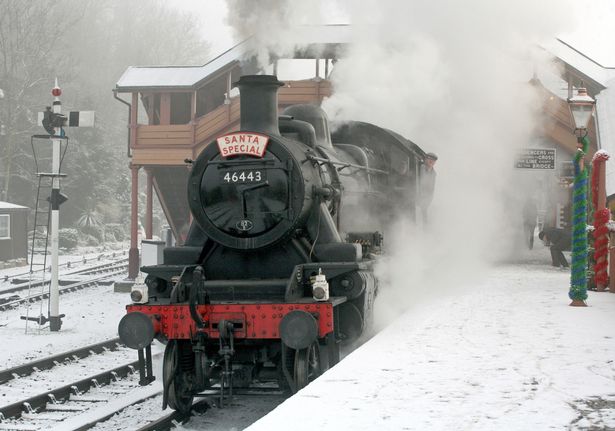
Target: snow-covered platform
506,353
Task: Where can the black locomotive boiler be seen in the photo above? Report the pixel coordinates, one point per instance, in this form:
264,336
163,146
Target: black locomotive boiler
277,269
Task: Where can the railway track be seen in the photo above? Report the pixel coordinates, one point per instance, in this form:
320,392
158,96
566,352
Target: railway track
60,399
112,395
108,271
22,282
14,278
71,392
237,413
52,361
172,419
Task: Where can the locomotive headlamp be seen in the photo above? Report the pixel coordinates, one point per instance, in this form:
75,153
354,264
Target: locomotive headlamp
136,296
320,287
581,108
139,294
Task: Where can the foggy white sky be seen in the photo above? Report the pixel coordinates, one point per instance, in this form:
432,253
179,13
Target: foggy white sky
594,34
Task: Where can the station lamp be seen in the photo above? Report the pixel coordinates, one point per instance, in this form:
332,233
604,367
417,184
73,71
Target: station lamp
581,108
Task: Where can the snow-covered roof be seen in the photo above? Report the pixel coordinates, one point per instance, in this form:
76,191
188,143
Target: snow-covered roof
600,81
139,77
580,62
8,205
605,121
145,77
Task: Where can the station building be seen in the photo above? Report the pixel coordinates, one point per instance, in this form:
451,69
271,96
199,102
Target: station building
13,234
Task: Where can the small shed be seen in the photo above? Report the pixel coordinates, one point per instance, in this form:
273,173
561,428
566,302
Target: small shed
13,232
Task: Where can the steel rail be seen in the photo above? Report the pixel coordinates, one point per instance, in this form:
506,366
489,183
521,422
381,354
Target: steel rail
69,288
39,402
168,421
67,264
99,268
102,419
52,361
82,271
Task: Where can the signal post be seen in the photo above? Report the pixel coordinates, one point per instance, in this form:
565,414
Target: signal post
56,122
53,121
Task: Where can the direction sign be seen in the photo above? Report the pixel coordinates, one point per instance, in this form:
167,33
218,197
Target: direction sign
536,158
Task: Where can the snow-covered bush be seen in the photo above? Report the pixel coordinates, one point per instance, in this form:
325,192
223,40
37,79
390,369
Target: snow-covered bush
94,230
89,240
69,238
118,231
109,236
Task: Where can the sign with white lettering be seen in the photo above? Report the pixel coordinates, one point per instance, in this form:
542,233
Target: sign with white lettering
536,158
251,144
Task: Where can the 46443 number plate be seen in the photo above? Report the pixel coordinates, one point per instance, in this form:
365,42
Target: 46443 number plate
243,176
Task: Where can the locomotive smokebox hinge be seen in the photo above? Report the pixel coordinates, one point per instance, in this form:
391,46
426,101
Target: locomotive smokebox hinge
326,192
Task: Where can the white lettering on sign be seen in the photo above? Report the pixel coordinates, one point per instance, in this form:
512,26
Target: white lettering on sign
536,158
251,144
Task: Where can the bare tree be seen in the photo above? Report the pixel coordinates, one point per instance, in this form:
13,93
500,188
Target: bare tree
87,45
29,36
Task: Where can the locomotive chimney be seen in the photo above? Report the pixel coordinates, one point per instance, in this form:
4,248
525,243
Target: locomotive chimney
259,103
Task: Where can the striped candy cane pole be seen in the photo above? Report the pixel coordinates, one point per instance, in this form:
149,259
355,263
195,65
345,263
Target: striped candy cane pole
602,216
578,273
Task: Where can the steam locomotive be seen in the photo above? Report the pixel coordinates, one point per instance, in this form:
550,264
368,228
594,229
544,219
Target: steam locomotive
276,273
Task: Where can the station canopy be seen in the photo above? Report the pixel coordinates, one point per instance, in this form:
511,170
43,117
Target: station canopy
323,41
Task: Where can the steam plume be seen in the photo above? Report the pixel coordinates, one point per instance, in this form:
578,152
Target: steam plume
451,76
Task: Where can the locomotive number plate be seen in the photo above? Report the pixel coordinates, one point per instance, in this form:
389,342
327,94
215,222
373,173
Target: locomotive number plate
243,176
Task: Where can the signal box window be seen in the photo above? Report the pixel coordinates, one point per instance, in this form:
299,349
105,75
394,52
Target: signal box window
5,226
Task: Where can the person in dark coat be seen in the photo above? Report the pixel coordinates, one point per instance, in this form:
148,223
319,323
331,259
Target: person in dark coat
530,213
427,185
559,240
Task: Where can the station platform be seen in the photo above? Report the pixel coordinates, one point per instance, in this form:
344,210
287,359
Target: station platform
506,352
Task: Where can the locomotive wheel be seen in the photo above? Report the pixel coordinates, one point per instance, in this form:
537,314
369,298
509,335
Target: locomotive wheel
307,365
178,396
351,323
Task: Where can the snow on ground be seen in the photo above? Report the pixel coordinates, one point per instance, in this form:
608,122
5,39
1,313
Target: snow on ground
505,353
92,315
19,389
508,354
75,257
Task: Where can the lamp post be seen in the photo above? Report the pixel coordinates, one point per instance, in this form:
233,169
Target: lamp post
581,109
